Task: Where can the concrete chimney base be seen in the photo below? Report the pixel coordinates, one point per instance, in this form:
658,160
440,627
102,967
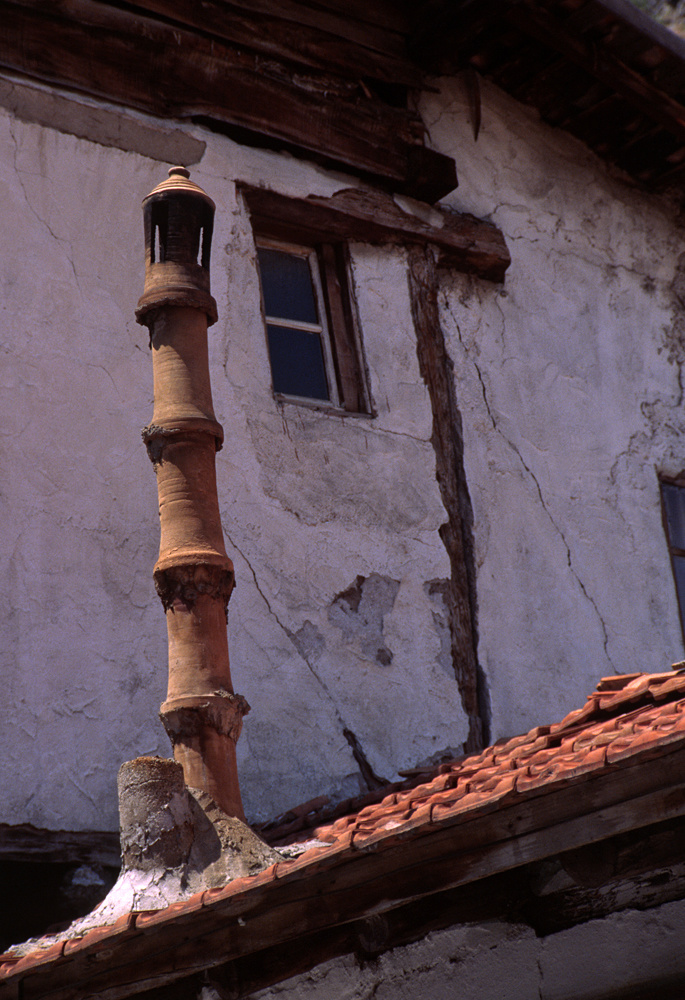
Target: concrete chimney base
175,841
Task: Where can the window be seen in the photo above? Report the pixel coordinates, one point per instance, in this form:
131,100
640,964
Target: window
311,334
673,503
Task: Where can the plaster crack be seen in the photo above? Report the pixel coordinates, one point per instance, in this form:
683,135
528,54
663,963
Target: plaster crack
90,364
58,239
400,434
538,963
369,777
543,504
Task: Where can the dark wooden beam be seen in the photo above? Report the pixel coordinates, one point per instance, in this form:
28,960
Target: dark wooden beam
611,42
460,25
444,34
295,32
645,25
501,897
447,439
461,241
24,842
638,870
597,60
176,73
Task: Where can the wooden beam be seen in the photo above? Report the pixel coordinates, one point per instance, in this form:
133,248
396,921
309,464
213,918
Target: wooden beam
447,439
174,73
25,842
645,25
294,32
599,62
462,242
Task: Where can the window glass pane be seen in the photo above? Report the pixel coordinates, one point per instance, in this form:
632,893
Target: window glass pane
287,286
679,572
297,363
674,502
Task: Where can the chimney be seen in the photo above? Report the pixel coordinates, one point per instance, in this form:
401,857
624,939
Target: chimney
193,575
182,825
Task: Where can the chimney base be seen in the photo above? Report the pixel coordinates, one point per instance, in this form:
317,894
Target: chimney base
175,842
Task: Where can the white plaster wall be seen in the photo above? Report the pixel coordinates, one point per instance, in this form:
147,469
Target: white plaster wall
310,501
499,961
569,379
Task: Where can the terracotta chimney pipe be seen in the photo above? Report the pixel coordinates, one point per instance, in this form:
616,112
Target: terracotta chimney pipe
193,575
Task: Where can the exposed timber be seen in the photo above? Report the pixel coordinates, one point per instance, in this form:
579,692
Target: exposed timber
461,241
173,69
457,532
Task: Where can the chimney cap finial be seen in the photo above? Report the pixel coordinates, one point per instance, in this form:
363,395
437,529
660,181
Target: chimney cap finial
178,182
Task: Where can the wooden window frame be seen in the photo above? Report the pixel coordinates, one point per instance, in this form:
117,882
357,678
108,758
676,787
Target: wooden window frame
341,339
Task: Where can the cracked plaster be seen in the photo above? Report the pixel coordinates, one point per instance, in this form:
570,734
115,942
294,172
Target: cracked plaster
570,383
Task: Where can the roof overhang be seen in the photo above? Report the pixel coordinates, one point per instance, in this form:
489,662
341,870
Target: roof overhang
613,770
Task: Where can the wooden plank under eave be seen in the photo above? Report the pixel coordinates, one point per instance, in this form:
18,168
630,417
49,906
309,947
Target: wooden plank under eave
602,64
463,242
387,14
281,30
171,73
24,842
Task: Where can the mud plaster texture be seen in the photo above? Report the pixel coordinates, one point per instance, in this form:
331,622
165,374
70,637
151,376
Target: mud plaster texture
568,382
500,960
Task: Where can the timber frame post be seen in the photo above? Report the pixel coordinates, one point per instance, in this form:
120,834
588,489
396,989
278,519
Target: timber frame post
193,575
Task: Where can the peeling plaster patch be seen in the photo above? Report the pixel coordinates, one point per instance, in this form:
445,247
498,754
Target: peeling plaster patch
437,593
309,641
101,125
359,612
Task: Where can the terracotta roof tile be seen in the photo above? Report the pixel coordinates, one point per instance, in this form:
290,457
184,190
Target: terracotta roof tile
150,918
86,940
42,956
233,888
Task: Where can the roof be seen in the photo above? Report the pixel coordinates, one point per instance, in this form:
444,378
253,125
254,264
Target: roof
615,765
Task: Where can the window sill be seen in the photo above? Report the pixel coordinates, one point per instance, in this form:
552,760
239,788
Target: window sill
330,409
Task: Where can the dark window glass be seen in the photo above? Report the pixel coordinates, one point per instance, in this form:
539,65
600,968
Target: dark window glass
674,505
310,327
297,363
679,573
287,286
673,500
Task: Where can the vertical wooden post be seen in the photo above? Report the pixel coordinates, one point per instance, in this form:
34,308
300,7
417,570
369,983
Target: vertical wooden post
457,533
193,575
